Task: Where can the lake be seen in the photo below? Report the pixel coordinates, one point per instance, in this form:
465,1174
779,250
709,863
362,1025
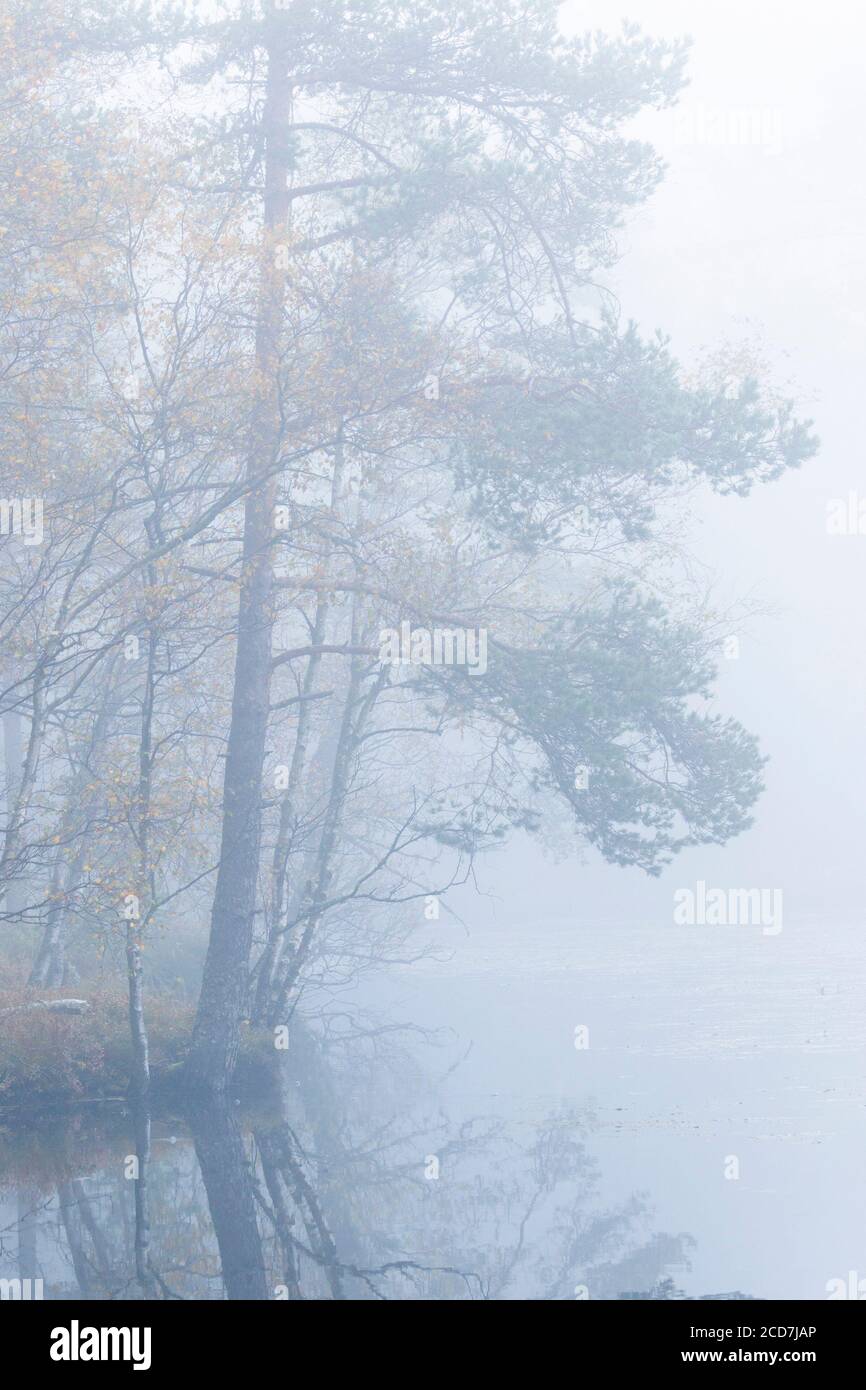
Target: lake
578,1111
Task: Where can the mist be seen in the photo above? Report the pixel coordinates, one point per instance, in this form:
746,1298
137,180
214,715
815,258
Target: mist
432,656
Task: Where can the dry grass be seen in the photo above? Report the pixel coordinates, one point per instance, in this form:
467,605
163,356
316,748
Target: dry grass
48,1058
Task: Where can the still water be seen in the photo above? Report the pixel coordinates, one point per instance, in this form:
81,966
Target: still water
576,1112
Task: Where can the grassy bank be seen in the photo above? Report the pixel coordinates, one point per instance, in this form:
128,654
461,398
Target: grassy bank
57,1058
50,1060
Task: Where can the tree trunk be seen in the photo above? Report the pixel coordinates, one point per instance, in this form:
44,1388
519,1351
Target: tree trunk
229,1182
223,999
50,968
299,778
143,1271
13,758
18,801
136,924
298,945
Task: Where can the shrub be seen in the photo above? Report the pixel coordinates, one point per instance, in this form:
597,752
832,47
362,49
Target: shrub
54,1057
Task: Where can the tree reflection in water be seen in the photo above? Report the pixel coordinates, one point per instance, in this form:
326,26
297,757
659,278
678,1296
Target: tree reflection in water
354,1185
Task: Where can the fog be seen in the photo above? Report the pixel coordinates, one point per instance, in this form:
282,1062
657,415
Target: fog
764,240
331,975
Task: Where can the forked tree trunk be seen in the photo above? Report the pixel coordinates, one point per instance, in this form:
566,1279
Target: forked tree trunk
223,999
301,781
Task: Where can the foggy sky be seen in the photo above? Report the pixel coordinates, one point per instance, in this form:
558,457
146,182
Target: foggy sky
746,240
